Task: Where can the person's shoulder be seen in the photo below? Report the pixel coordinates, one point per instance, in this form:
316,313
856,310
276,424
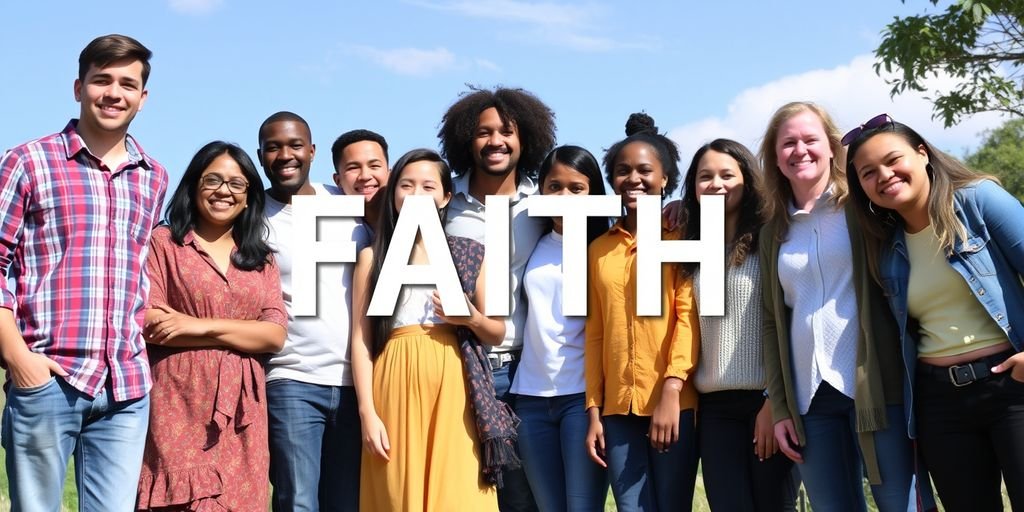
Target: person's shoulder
328,189
161,237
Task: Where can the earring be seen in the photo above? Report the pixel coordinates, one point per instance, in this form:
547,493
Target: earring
871,208
930,170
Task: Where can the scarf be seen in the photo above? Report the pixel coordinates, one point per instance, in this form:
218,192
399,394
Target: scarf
495,422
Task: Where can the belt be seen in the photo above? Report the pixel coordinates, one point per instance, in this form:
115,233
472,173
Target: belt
500,360
961,375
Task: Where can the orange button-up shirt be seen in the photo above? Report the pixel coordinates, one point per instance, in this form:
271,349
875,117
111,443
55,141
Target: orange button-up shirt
628,357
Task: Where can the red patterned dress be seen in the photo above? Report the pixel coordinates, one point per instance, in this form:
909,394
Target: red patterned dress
207,442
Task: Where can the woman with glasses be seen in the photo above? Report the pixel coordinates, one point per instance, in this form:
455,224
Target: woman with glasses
948,246
214,307
830,344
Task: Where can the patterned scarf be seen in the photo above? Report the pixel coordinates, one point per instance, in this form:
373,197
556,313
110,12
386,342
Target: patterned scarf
495,422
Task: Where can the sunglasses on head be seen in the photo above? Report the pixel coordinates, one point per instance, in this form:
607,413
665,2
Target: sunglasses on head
870,124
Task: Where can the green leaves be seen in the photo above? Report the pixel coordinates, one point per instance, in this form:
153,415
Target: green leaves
979,43
1002,154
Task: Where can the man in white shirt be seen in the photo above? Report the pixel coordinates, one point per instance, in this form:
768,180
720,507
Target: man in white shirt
315,435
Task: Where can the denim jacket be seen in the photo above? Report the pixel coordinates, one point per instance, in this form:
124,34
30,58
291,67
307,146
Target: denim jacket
991,260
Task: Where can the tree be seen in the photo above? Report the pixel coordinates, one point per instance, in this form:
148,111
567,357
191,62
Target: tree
1002,154
980,43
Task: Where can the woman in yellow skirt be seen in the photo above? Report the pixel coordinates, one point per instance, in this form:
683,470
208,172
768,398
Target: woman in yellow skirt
417,418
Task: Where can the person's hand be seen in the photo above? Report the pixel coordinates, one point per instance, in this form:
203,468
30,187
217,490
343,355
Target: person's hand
671,213
29,369
595,439
170,324
785,436
466,321
764,433
664,430
1015,364
375,436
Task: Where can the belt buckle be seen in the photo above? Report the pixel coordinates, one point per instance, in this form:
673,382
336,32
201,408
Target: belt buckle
495,361
962,375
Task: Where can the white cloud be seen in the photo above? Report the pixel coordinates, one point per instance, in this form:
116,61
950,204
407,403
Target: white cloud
851,93
568,26
195,7
416,61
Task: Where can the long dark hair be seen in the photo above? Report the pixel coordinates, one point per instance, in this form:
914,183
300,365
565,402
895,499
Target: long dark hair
750,221
249,230
380,326
583,162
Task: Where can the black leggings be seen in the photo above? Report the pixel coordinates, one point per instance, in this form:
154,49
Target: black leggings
972,437
734,479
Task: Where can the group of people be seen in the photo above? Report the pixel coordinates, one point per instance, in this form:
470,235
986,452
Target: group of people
874,322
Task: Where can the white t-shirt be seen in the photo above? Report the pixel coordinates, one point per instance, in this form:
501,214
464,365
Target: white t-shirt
317,348
552,360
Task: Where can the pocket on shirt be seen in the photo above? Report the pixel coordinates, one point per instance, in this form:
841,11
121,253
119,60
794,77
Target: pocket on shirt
974,253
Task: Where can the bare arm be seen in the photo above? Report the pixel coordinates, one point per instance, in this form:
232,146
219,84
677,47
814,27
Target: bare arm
169,328
375,436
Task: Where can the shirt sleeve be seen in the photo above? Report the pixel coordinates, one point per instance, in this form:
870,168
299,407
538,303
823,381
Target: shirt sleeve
685,343
273,301
156,269
593,348
1003,213
13,203
770,336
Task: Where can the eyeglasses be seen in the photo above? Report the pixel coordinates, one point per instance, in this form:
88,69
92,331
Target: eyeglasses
870,124
213,182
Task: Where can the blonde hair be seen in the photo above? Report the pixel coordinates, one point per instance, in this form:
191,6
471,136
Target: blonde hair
776,189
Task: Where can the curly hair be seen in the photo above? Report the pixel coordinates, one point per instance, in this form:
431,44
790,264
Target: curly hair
640,127
533,120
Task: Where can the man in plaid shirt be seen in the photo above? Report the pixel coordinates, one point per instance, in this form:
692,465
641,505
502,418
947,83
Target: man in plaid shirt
76,211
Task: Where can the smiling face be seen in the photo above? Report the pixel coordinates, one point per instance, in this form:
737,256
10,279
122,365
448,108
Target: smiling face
362,169
893,173
720,174
110,96
496,146
220,205
564,180
286,154
803,152
421,178
637,171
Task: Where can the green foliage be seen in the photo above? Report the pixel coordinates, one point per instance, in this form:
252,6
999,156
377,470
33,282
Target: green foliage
1002,154
979,43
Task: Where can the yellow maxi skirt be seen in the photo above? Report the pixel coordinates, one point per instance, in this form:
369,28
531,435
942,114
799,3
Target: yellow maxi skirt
419,390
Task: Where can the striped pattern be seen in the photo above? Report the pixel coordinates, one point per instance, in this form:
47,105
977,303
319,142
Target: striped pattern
74,237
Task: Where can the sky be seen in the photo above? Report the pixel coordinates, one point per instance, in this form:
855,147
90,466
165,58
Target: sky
702,69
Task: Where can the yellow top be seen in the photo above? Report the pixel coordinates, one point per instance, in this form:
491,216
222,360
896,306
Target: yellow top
951,319
627,357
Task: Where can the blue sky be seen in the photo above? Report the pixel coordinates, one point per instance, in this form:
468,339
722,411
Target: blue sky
702,69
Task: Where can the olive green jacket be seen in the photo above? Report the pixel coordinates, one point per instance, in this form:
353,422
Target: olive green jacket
879,372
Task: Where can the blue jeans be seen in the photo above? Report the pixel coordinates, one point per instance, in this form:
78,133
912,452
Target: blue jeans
643,479
515,496
45,425
315,446
552,443
833,469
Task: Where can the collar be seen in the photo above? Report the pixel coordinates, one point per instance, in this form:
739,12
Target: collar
824,198
527,187
75,144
